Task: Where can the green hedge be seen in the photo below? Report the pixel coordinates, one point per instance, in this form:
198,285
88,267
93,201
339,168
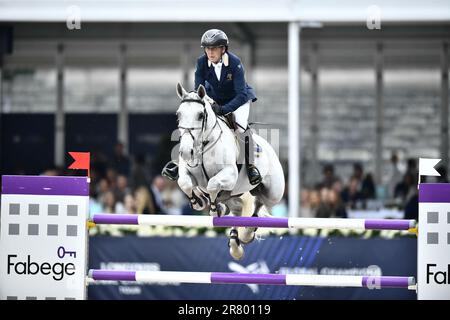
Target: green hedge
162,231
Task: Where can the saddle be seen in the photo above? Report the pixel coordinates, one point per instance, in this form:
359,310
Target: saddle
230,121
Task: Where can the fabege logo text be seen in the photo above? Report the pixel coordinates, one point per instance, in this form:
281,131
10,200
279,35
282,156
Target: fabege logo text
57,270
439,277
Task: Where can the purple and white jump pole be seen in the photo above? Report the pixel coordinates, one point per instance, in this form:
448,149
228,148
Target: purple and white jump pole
168,277
260,222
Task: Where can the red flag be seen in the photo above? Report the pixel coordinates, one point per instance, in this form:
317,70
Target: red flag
82,160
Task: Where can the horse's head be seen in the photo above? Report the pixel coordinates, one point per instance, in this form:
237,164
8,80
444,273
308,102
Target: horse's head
192,117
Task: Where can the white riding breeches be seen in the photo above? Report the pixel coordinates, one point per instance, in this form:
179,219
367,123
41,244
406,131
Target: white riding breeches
241,114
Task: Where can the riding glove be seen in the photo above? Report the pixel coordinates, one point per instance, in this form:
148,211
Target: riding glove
217,109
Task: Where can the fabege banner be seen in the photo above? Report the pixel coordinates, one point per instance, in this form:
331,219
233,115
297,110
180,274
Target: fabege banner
433,267
43,237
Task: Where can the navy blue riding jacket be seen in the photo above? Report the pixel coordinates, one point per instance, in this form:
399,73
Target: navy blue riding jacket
231,91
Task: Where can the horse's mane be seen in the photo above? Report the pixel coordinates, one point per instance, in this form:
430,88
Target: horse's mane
209,99
193,94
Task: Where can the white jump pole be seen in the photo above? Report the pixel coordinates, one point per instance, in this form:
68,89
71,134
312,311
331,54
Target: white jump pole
260,222
370,282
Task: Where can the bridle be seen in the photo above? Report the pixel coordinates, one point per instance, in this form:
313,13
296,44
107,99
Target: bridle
204,140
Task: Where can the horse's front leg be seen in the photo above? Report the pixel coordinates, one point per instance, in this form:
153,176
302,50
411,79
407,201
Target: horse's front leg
225,179
186,184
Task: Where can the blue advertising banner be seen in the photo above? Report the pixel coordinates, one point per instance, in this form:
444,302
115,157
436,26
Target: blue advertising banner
287,254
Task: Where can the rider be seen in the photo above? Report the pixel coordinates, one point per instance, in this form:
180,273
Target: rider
222,74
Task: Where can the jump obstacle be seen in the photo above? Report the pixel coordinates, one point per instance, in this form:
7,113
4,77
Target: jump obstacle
26,191
259,222
378,282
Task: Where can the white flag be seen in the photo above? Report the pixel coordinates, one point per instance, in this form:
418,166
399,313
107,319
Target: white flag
426,167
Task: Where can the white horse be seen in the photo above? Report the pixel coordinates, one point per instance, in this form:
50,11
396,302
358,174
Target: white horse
208,172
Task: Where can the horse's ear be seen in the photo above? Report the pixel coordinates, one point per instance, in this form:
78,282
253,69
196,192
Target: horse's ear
201,91
180,91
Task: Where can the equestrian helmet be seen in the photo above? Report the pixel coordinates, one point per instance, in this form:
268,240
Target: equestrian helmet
214,38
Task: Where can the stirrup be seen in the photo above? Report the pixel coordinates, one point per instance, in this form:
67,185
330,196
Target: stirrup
255,179
170,170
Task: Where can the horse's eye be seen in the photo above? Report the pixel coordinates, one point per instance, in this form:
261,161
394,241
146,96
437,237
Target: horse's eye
200,116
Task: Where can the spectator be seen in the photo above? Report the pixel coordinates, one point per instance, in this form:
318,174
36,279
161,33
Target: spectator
102,188
121,188
337,186
405,189
94,205
99,162
368,187
411,167
51,172
111,176
412,207
120,161
144,201
157,188
329,177
139,174
314,202
173,198
337,207
129,205
330,205
394,175
109,203
305,209
351,195
323,210
357,171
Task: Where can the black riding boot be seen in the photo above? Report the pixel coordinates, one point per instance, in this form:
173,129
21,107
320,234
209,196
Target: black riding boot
253,173
170,170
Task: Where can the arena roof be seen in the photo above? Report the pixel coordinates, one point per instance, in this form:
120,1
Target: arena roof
325,11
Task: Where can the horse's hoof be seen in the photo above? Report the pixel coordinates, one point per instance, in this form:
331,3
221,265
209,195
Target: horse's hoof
202,201
218,210
198,206
194,204
198,201
222,210
213,213
247,235
213,210
236,250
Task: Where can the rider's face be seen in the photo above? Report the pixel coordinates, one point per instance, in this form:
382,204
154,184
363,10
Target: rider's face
214,53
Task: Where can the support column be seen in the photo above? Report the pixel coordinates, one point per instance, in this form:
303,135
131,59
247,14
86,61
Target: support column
314,111
294,118
248,42
249,63
185,62
444,105
379,112
122,127
60,125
